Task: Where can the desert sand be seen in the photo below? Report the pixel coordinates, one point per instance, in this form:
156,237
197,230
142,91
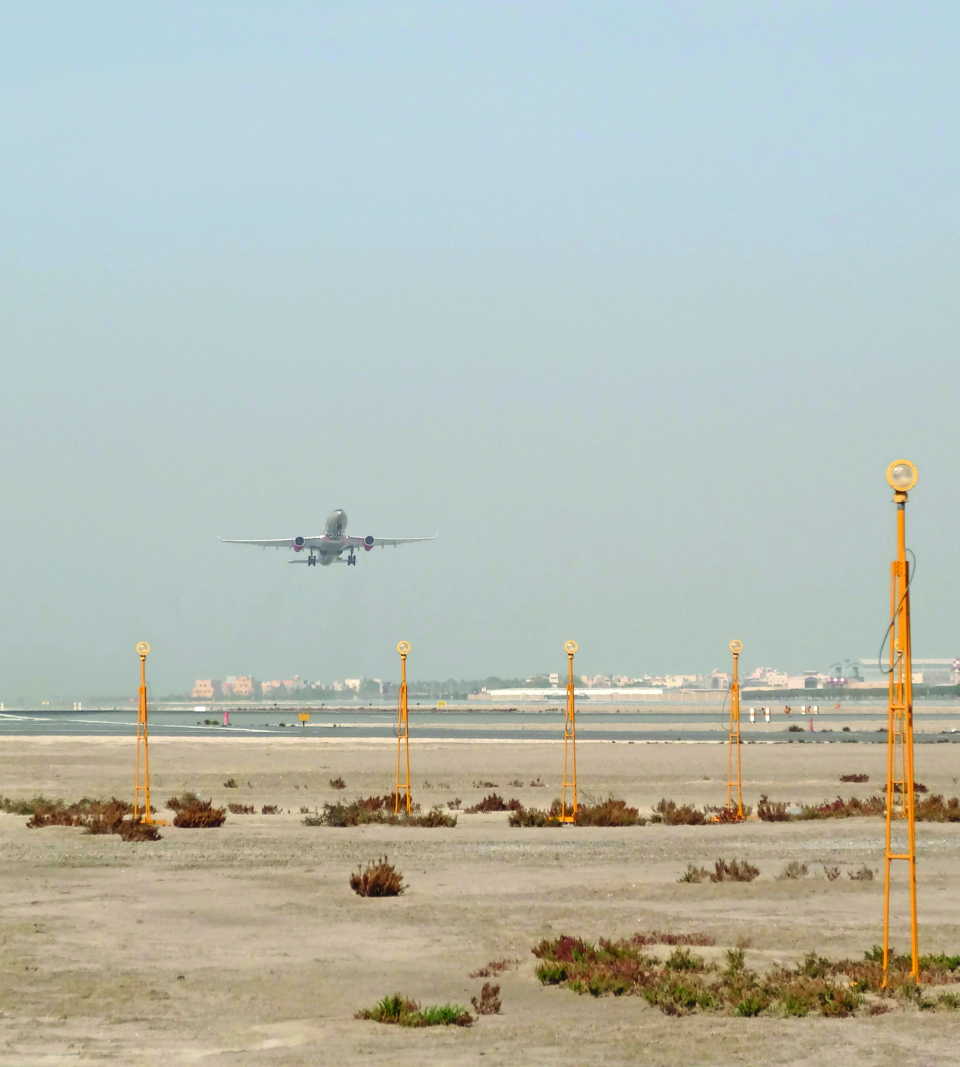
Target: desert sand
245,945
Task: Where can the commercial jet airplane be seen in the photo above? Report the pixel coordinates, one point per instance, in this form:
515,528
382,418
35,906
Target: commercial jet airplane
328,546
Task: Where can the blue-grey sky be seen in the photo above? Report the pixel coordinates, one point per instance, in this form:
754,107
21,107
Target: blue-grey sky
631,303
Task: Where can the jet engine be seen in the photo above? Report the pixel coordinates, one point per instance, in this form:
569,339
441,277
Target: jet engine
368,542
297,544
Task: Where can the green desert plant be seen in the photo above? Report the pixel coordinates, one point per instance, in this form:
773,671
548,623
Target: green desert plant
380,879
401,1011
793,871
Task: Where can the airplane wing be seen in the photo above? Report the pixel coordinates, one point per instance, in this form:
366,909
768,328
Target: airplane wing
278,542
384,541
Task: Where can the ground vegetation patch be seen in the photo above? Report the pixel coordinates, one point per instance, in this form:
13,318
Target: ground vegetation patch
684,982
609,812
379,879
400,1010
365,810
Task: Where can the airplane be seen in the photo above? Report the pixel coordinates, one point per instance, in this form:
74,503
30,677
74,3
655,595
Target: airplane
328,546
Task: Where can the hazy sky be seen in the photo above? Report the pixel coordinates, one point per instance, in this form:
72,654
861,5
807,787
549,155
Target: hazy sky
631,303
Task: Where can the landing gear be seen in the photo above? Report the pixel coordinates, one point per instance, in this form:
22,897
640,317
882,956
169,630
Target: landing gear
311,561
351,560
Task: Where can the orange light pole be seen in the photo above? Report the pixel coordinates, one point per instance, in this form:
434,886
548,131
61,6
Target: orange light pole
902,476
736,647
142,784
568,812
403,733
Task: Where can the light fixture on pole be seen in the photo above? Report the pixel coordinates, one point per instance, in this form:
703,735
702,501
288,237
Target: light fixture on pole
142,783
403,734
568,812
734,784
902,476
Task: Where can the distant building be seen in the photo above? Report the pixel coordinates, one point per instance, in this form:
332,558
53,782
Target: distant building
203,689
243,686
678,681
268,687
352,683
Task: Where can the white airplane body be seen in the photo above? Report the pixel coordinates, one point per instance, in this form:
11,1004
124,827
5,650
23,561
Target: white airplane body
327,548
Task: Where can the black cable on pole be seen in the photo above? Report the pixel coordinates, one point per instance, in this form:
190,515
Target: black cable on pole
886,636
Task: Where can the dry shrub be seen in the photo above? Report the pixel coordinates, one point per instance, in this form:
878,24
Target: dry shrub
401,1011
859,779
685,983
494,967
136,831
832,873
109,818
366,810
270,809
380,879
240,809
489,1001
337,783
485,785
661,937
918,787
864,874
494,802
454,805
535,783
694,874
843,809
200,815
935,809
793,871
95,816
772,810
673,814
609,812
185,800
535,817
515,783
734,871
230,783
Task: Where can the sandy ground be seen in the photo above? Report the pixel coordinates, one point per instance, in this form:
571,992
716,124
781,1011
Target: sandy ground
245,945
